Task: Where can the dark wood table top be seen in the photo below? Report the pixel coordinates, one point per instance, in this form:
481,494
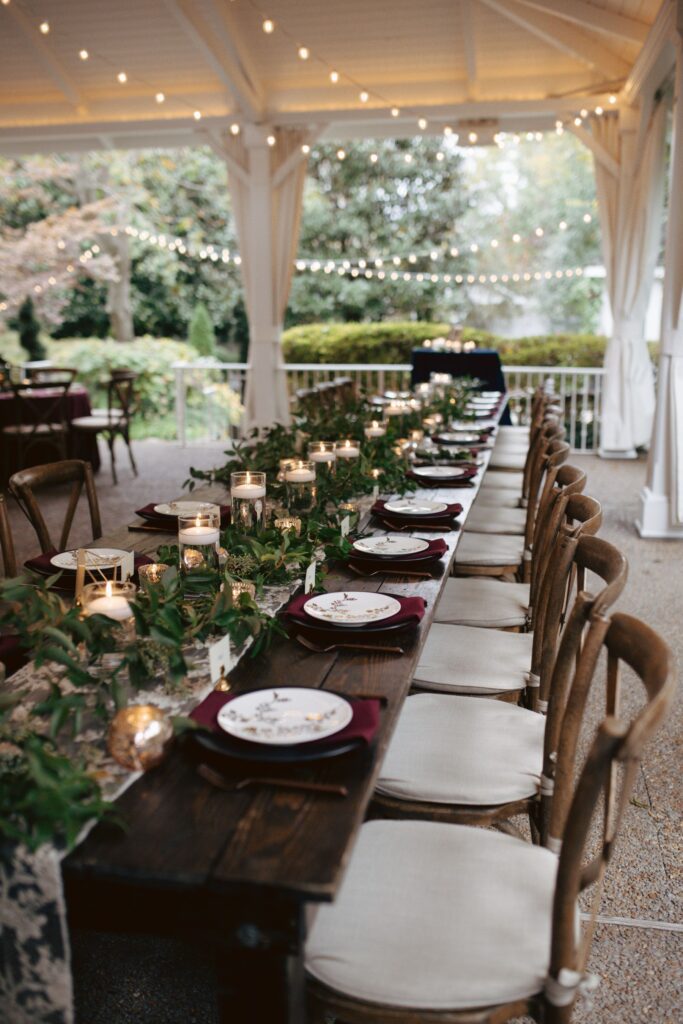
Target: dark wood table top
184,835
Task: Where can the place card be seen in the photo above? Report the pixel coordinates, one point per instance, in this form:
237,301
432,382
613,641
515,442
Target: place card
375,492
309,582
345,526
127,566
220,662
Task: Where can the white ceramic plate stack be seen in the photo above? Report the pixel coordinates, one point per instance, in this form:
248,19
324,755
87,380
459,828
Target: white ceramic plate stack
390,545
285,715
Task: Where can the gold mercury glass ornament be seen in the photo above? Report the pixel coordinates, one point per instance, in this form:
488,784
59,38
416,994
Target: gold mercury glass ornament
139,736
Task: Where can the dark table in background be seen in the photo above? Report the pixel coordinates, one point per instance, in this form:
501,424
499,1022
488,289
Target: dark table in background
483,363
80,445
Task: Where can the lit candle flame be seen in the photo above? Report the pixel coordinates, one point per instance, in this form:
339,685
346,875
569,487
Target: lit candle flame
108,589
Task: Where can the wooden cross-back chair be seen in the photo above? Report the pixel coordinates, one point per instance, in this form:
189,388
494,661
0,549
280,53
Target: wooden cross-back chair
9,560
56,474
494,917
479,762
115,420
40,405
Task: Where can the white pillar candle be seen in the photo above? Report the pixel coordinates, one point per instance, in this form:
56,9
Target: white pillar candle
248,491
322,456
198,536
347,450
114,606
375,429
300,476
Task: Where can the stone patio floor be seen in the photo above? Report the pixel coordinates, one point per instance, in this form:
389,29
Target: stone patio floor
638,947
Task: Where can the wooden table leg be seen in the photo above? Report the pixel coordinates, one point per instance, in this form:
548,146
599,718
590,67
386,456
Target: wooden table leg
255,986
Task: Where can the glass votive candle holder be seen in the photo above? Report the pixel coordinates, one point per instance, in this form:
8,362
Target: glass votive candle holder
441,378
396,407
248,501
111,598
322,453
416,436
348,449
286,523
301,491
150,576
350,509
198,541
240,587
374,429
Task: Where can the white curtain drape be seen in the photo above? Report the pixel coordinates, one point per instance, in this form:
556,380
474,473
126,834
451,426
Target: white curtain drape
266,187
629,190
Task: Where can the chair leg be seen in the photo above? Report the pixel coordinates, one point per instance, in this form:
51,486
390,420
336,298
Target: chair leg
126,438
110,441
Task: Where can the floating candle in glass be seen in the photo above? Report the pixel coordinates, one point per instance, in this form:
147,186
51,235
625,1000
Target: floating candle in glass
247,498
416,436
324,456
374,429
350,509
198,541
347,449
285,464
376,473
300,486
111,598
396,407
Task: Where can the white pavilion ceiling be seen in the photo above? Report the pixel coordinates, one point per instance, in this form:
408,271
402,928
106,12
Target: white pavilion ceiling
446,60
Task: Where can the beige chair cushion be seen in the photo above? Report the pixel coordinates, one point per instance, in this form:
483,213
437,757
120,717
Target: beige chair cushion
486,519
489,549
116,414
496,497
459,659
499,479
487,603
90,423
436,917
505,460
455,750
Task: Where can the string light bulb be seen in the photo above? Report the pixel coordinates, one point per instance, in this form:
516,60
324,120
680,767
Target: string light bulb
334,77
395,111
305,149
364,96
539,232
587,218
341,154
83,54
271,140
304,53
45,27
160,97
374,158
122,77
599,111
473,137
613,99
578,122
197,115
422,123
268,26
448,130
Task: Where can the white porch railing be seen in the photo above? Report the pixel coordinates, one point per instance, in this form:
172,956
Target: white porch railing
200,401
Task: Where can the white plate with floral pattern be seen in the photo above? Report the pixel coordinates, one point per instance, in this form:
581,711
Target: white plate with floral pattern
184,508
416,508
391,545
459,437
442,472
351,607
286,715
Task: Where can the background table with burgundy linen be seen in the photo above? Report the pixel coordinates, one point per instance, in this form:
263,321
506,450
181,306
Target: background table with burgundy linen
80,444
483,363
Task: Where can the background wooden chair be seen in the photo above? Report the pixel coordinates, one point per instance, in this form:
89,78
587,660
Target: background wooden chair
41,415
115,420
53,475
493,917
9,561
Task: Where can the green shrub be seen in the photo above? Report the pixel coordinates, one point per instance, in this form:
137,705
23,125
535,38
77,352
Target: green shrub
202,337
393,343
28,327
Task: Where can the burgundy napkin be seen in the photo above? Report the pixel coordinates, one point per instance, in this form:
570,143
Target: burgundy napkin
12,654
465,480
43,566
411,612
363,725
436,549
158,519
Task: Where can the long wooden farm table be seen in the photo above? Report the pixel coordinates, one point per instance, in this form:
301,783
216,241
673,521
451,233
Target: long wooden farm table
236,870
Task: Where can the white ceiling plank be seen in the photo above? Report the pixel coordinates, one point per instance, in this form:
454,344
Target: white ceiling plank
229,71
564,37
589,16
470,45
232,38
54,67
656,59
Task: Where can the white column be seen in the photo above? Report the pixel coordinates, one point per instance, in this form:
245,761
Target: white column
661,512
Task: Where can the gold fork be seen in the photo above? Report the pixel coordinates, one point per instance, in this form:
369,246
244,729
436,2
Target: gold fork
305,642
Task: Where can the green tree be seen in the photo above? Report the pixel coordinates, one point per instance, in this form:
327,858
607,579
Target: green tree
202,336
28,328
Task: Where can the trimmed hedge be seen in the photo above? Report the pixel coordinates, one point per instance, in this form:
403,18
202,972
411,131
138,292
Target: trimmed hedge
393,343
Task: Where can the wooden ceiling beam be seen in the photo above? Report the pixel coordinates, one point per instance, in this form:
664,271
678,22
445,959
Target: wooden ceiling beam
54,67
564,37
587,15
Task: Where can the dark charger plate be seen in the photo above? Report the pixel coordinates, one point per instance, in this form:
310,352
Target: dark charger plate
222,745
